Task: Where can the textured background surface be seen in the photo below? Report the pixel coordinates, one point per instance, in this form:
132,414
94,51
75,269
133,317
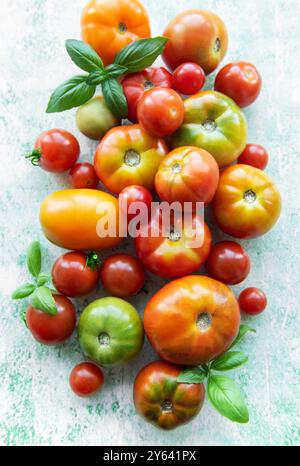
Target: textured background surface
36,404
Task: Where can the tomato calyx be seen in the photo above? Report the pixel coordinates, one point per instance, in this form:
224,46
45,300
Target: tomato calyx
122,28
148,85
35,156
250,196
166,406
132,158
104,339
93,261
209,126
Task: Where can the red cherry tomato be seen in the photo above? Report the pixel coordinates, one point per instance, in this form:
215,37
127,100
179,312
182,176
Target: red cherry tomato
86,379
241,81
252,301
122,275
52,330
228,262
160,112
254,155
132,194
83,176
188,78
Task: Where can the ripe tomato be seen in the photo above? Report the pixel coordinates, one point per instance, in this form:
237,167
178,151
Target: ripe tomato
108,26
192,320
254,155
55,151
252,301
83,176
52,330
160,111
131,195
161,400
197,36
136,84
127,155
94,118
86,379
228,262
241,81
187,174
247,203
122,275
188,78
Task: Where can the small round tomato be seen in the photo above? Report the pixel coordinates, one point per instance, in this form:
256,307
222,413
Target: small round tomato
55,151
131,195
94,118
83,176
252,301
228,262
160,112
52,329
86,379
188,78
122,275
164,402
254,155
136,84
241,81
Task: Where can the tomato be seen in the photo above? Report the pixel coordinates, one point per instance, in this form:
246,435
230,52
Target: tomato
254,155
228,262
252,301
188,78
192,320
198,36
108,26
247,203
74,218
110,331
122,275
83,176
215,123
131,195
127,155
94,118
187,174
241,81
136,84
86,379
174,253
52,330
161,400
55,151
160,111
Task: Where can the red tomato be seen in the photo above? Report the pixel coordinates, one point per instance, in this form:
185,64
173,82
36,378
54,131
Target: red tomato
133,194
83,176
241,81
254,155
52,330
122,275
228,262
252,301
160,111
136,84
86,379
188,78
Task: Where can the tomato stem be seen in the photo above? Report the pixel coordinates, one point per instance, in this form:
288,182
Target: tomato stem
93,261
35,156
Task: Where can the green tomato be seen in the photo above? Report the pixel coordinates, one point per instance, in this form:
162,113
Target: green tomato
94,118
110,331
215,123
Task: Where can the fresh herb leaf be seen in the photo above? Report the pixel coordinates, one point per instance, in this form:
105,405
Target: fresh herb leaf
71,93
97,77
115,98
34,258
115,70
83,55
140,54
229,361
191,375
43,300
23,291
93,261
43,278
244,329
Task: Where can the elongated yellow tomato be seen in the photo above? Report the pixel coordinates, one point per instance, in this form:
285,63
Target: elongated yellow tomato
81,219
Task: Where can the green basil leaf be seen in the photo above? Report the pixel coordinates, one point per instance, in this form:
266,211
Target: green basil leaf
97,77
226,397
115,98
140,54
43,278
83,55
34,258
43,300
115,70
191,375
229,360
23,291
244,329
70,94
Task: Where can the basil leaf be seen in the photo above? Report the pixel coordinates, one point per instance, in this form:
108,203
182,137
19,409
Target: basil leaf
23,291
191,375
83,55
43,300
244,329
96,77
115,98
226,397
43,278
229,361
115,70
140,54
71,93
34,258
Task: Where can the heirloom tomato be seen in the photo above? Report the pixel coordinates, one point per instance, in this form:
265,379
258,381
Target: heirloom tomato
228,262
127,155
188,78
122,275
254,155
83,176
163,401
252,301
215,123
94,118
130,196
247,203
86,379
192,320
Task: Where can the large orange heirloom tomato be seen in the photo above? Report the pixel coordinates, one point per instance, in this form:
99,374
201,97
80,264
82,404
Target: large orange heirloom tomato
128,156
247,203
81,219
161,400
109,25
192,320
